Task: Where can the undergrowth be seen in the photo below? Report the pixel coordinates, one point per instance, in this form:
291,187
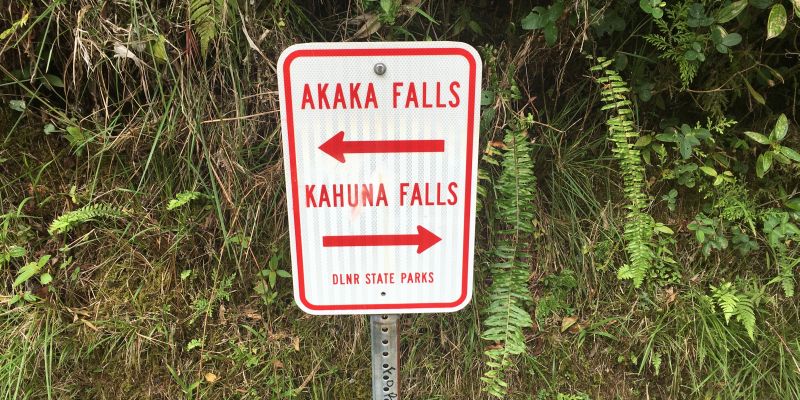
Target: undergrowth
143,230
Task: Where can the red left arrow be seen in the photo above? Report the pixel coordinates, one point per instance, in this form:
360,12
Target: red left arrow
423,239
337,147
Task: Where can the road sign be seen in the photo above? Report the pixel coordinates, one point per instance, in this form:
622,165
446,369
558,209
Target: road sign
380,148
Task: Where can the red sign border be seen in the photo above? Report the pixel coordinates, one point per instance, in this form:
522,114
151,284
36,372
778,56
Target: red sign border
371,52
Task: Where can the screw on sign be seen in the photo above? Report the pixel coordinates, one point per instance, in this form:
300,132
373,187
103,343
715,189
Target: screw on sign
380,152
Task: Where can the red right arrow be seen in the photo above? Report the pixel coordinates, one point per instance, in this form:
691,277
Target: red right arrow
337,147
423,239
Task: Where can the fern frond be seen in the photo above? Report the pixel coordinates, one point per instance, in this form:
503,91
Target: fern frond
746,315
786,266
726,298
67,221
506,317
207,16
735,304
638,229
183,198
676,39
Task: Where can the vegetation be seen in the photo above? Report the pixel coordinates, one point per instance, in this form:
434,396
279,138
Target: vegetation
637,229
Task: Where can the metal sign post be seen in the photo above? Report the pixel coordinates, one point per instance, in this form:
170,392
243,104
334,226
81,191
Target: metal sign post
380,146
385,357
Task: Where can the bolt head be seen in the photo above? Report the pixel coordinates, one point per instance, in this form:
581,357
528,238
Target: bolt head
380,68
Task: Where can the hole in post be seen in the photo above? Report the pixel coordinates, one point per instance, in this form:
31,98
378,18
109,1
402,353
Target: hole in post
384,330
386,377
384,317
385,365
386,354
383,293
386,389
384,341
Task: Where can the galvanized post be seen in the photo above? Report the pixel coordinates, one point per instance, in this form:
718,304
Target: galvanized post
385,357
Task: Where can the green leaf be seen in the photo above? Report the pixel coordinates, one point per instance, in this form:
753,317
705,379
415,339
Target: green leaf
780,129
475,27
687,144
159,49
534,20
777,21
663,229
796,4
758,137
620,61
790,153
667,137
54,81
643,141
753,93
717,33
555,10
777,156
45,278
691,139
487,97
48,129
30,269
15,252
185,274
763,164
426,15
657,13
794,204
761,4
550,34
731,11
732,39
17,105
709,171
284,274
386,5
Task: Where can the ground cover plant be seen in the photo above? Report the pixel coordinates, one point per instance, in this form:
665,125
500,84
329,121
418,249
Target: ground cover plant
638,219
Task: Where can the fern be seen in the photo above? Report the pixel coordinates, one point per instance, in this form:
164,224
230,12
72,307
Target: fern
506,316
183,198
735,304
90,212
638,230
786,266
781,232
676,40
15,26
206,16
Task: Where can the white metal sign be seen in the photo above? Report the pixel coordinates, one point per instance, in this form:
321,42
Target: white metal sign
380,151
